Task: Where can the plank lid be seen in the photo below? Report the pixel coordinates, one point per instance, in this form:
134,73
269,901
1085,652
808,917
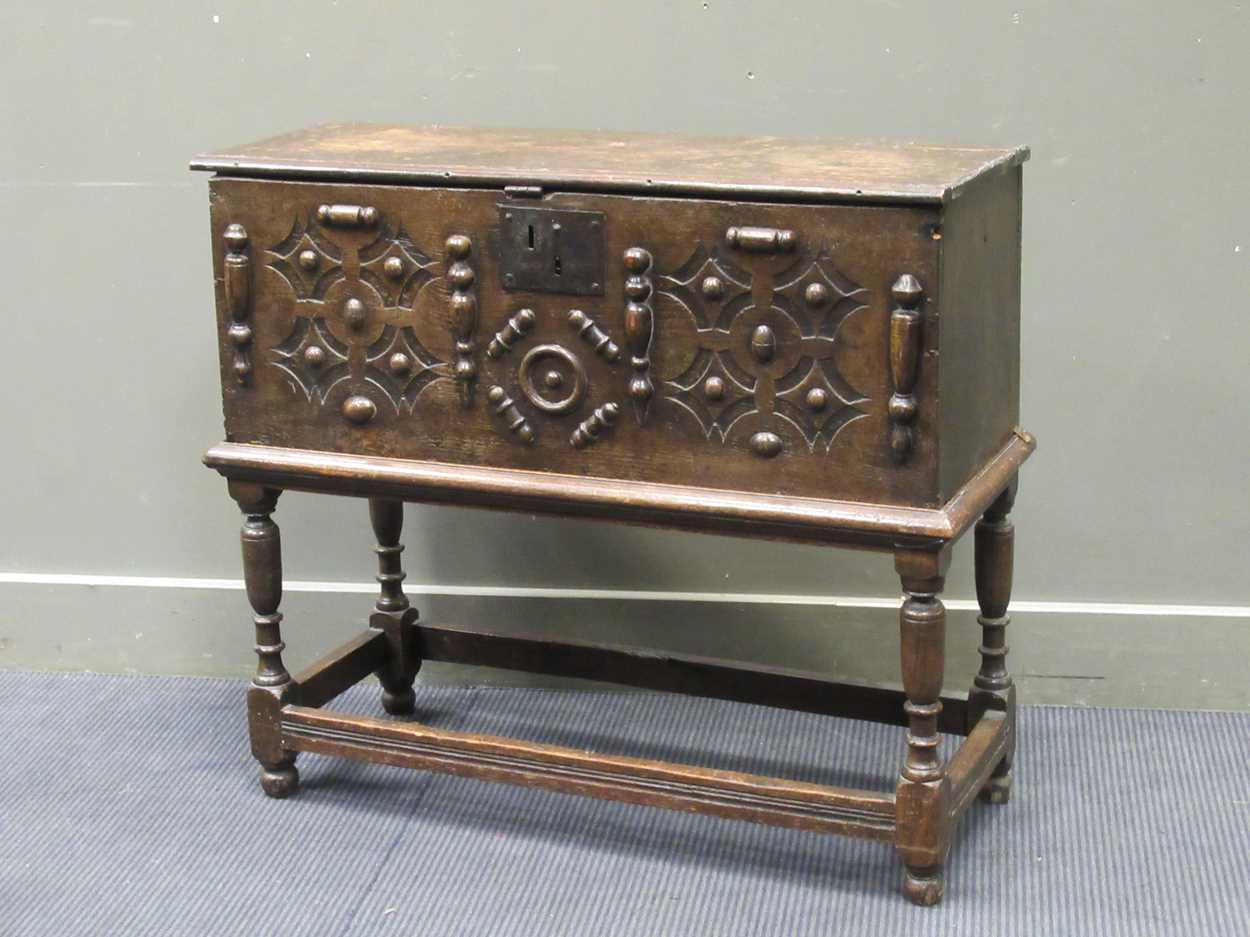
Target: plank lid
588,161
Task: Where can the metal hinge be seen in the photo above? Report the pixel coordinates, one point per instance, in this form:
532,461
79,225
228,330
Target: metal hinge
523,191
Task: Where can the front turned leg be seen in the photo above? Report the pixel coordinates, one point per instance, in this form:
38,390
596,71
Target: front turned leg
272,686
923,792
392,614
992,687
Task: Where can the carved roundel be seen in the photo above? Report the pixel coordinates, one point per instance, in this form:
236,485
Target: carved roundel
552,378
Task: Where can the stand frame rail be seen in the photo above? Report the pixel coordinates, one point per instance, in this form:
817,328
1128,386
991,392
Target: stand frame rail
731,794
735,795
688,675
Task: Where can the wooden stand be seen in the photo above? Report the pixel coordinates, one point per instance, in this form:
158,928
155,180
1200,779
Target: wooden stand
286,717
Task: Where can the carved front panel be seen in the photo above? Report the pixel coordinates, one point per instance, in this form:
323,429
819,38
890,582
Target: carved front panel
732,345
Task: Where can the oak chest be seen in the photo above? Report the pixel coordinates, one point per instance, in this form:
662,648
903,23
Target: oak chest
794,340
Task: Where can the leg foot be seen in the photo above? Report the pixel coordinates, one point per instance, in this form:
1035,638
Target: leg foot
997,789
924,886
281,781
402,702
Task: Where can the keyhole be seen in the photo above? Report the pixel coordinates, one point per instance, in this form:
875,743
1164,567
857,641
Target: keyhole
555,248
556,265
531,237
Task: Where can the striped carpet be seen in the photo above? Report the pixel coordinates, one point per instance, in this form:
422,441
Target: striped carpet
129,805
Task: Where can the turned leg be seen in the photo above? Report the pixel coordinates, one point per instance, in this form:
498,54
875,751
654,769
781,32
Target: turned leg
392,614
992,687
922,795
271,687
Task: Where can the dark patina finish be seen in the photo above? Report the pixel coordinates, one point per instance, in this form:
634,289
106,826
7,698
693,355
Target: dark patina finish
800,341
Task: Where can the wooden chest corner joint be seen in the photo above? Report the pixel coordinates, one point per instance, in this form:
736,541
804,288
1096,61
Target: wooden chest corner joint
758,352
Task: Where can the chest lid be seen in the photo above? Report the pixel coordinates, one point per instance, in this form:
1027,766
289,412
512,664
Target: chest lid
587,161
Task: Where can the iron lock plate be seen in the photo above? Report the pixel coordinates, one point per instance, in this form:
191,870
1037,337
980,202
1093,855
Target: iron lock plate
551,250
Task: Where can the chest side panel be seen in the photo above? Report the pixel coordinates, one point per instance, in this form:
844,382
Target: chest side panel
980,326
606,336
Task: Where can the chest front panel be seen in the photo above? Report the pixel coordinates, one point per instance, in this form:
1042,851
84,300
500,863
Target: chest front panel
737,346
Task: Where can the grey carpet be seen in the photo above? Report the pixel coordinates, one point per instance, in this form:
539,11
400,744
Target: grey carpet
129,805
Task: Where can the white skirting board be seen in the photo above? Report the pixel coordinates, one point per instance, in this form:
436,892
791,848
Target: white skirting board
1106,654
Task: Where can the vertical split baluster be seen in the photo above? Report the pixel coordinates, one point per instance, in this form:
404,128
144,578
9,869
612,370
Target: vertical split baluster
639,327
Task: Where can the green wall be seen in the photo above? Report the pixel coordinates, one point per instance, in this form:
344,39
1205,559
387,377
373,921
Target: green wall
1136,318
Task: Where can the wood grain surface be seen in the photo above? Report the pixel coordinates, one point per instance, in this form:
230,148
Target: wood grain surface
769,167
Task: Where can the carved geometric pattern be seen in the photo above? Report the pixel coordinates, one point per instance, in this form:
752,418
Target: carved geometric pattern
550,380
515,329
817,296
714,394
774,364
401,367
306,260
313,358
710,286
594,336
463,312
237,286
508,414
817,401
590,430
340,291
639,327
395,267
905,335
